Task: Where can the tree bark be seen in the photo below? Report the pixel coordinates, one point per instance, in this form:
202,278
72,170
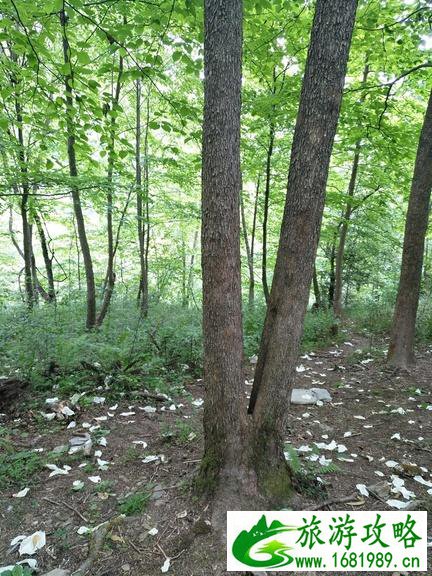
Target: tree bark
221,185
401,348
310,157
73,171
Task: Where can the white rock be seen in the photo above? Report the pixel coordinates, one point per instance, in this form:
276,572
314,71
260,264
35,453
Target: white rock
305,396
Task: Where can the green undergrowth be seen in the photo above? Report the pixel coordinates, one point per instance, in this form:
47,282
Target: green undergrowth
135,503
20,468
49,346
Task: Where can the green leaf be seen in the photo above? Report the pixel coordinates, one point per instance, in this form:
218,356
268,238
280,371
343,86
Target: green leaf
83,58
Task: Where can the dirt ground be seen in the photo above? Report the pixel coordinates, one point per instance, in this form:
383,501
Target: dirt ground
378,415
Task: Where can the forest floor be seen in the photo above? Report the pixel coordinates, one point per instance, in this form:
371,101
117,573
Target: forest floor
379,416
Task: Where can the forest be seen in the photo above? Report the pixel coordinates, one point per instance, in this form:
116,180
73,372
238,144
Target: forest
216,273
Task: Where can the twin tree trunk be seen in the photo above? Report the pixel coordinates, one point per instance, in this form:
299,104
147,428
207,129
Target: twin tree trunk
242,449
401,348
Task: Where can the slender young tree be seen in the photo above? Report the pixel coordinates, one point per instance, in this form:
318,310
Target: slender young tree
51,295
340,253
270,148
401,348
30,290
250,244
110,273
73,171
316,289
310,158
142,199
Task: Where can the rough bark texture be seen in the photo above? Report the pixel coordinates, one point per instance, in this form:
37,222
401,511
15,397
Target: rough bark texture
401,348
73,171
310,157
221,185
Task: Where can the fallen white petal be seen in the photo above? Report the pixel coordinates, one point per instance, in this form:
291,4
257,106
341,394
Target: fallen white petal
25,491
397,504
32,543
362,489
149,459
94,479
421,480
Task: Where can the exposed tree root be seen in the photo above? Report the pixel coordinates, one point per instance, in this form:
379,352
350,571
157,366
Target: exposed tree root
96,543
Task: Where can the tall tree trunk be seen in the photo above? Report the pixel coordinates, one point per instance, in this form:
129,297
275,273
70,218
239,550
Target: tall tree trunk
310,157
337,300
266,210
110,274
47,259
142,200
73,171
401,348
221,185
